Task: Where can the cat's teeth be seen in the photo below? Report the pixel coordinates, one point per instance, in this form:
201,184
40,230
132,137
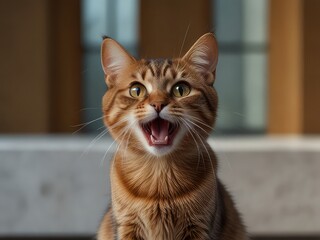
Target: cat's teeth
156,141
153,140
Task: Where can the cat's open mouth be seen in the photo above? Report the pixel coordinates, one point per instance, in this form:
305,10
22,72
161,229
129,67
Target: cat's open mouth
159,132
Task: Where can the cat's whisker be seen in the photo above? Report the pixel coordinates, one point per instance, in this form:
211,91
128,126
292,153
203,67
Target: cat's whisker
197,126
91,108
100,128
239,114
201,122
121,135
206,149
114,125
196,120
199,152
193,133
183,42
184,66
98,137
204,145
127,144
130,129
105,154
83,125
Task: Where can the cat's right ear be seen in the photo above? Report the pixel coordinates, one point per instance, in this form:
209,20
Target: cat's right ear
114,59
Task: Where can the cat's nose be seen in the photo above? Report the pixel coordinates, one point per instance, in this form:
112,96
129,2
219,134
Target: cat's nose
158,106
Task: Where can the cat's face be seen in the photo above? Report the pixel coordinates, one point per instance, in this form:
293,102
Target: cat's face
159,106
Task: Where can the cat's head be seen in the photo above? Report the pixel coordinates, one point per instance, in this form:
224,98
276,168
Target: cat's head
159,106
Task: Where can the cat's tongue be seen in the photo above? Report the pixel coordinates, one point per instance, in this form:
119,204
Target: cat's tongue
159,131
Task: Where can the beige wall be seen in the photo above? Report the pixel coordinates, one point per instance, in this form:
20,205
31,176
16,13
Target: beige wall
40,66
24,66
294,72
165,31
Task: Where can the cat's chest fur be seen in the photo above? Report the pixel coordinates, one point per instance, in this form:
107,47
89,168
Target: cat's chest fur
165,216
162,221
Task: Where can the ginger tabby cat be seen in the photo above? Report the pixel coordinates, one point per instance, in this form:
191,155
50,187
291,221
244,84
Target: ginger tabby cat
164,173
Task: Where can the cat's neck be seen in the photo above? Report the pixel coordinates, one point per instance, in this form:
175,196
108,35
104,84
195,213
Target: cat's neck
167,176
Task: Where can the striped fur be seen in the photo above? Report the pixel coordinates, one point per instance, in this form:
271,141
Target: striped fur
174,193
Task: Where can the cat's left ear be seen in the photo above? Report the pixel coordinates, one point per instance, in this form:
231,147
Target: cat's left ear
203,56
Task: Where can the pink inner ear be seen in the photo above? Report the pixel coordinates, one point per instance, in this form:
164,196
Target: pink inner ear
204,53
114,57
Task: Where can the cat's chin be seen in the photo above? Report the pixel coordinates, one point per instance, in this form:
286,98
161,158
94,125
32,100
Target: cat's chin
160,151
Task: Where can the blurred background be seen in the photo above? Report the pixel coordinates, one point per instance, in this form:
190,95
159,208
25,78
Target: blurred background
53,159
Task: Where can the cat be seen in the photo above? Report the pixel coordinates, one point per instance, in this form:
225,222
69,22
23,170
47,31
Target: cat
164,182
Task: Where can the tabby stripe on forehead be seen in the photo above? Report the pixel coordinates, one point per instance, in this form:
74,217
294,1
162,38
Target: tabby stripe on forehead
143,74
183,74
147,62
165,69
174,73
158,71
155,68
151,69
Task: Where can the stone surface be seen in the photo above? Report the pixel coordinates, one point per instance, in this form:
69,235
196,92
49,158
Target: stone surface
59,184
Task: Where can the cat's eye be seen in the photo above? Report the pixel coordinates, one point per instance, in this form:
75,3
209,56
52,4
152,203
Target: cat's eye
137,90
181,90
